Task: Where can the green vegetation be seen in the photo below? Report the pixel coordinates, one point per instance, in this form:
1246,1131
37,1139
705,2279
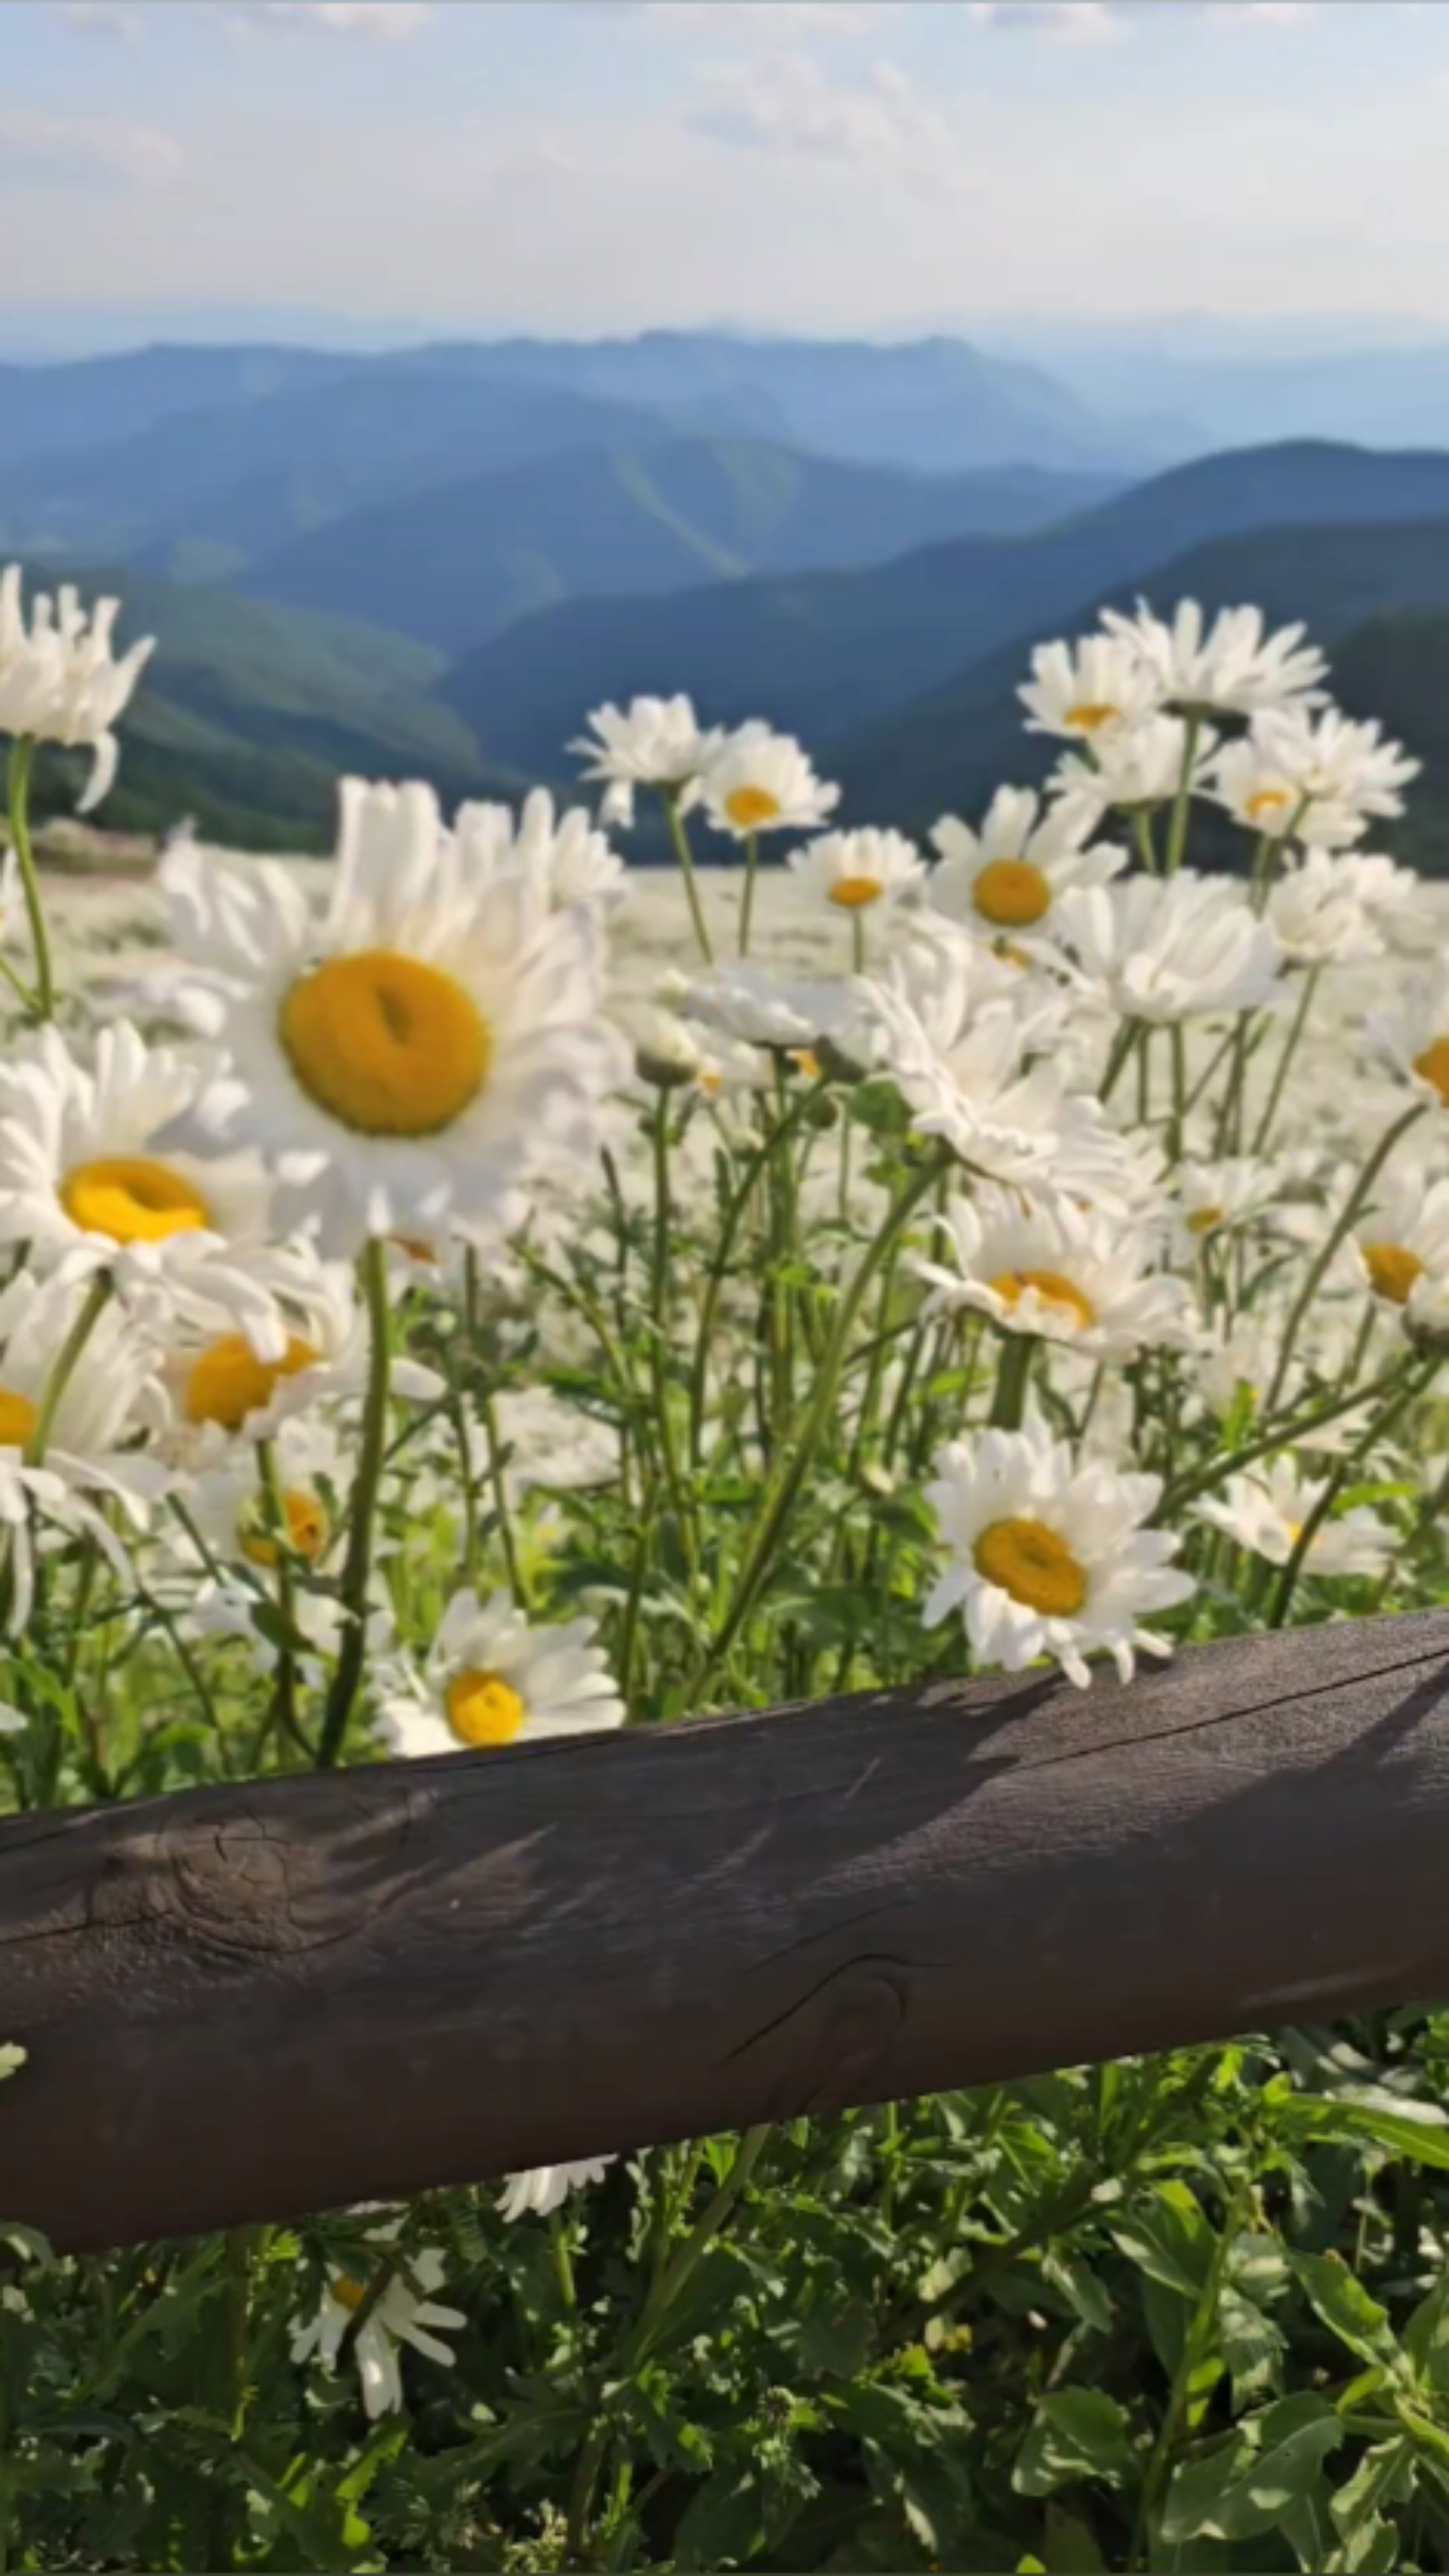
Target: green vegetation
249,711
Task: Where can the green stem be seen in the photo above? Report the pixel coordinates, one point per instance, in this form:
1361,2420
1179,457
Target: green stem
1290,1049
362,1514
1318,1268
670,799
97,1298
1177,829
747,903
508,1537
1282,1436
1013,1378
1410,1388
22,754
284,1694
780,1504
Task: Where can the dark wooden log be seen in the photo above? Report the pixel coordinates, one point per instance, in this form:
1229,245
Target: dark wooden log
248,2003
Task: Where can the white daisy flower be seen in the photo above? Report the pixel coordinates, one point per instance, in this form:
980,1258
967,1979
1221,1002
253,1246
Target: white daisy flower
1321,910
762,781
405,2312
1403,1238
1139,764
1087,689
1318,780
1233,667
1005,879
564,856
111,1396
490,1678
408,1058
1265,1512
968,1074
670,1055
1414,1038
1054,1269
90,1181
1399,903
1049,1554
653,742
1172,948
220,1384
59,679
229,1511
545,2188
1219,1196
755,1007
854,871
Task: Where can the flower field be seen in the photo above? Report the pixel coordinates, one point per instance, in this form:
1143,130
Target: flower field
464,1295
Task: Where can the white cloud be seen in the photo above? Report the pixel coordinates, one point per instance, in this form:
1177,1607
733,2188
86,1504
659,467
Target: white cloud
1083,22
103,18
386,21
761,22
84,149
793,106
1096,21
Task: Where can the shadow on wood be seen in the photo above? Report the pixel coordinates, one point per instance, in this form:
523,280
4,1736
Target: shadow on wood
247,2003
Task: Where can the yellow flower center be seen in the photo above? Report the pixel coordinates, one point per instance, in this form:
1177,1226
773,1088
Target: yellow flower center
1203,1219
1011,1285
806,1061
133,1200
385,1044
751,806
17,1419
348,2293
418,1248
1090,714
1012,893
1035,1565
308,1529
482,1707
1392,1270
1433,1067
228,1381
1268,800
854,893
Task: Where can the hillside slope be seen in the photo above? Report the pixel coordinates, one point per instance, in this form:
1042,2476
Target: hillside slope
90,402
456,564
937,404
957,743
209,491
827,654
247,711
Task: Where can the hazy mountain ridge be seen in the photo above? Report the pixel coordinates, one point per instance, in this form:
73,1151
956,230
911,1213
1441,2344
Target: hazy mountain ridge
247,712
460,562
954,746
830,654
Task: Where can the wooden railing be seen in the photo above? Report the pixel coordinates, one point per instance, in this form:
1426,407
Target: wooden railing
251,2002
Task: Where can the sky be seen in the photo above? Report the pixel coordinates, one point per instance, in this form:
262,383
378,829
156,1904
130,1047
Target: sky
590,166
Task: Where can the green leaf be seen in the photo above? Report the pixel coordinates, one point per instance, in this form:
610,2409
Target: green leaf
1267,2472
1169,2239
1346,2308
1075,2433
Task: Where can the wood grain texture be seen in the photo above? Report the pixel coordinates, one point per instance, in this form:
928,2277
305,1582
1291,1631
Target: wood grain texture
248,2003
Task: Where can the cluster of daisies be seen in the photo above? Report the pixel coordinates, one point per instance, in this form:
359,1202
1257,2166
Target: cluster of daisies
253,1203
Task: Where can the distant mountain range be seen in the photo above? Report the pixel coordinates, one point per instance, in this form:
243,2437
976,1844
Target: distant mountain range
461,562
248,713
948,750
829,654
437,560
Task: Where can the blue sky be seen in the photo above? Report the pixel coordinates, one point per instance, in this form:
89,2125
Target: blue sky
595,165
